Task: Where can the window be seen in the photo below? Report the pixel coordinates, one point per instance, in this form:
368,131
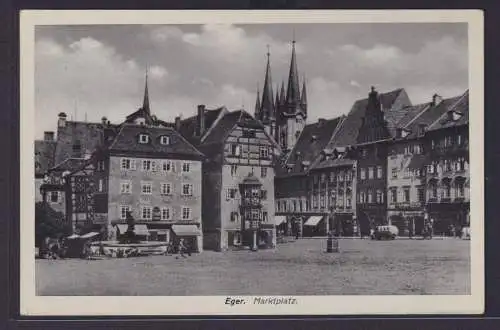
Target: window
364,152
394,172
264,216
394,195
263,194
146,165
128,164
370,196
340,177
447,190
406,194
264,152
165,140
434,192
362,173
167,166
100,165
186,167
460,164
234,170
315,201
379,197
187,189
125,187
348,202
332,177
407,172
379,172
421,194
348,176
459,139
433,144
146,188
166,189
362,197
100,185
263,172
407,150
323,178
54,196
166,213
234,216
124,209
370,172
460,189
235,150
231,193
417,149
146,213
322,201
186,213
143,138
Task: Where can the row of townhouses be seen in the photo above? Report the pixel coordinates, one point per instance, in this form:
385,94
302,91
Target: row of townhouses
224,179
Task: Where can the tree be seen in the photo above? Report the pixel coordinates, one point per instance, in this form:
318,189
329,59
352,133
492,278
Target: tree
49,223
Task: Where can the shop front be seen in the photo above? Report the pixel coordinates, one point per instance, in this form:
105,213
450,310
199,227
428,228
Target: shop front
449,218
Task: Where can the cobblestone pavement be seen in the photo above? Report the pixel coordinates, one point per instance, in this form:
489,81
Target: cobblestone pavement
295,268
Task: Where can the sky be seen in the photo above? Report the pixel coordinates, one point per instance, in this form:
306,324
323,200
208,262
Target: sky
99,70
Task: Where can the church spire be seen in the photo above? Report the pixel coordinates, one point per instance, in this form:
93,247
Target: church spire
282,93
145,102
277,102
303,98
257,104
267,106
293,91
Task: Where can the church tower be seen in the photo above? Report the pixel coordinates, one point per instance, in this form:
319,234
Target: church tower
265,109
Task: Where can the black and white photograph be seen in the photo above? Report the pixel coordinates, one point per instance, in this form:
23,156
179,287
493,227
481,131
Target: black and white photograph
251,164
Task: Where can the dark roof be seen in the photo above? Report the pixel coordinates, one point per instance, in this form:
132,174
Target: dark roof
313,139
127,142
224,126
44,155
69,164
460,106
411,112
349,131
188,125
334,162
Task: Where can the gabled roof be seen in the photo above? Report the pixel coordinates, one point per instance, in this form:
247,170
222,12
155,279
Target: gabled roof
349,132
44,155
69,164
224,126
313,139
127,139
461,106
188,125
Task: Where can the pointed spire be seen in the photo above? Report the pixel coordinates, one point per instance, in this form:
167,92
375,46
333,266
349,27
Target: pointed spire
303,98
145,102
282,93
267,106
257,104
293,92
277,102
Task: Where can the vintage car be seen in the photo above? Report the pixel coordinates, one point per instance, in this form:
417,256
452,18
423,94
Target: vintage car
385,232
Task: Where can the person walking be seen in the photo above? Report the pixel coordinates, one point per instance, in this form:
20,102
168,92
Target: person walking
181,249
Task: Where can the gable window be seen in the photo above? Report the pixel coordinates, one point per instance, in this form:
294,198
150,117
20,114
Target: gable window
235,150
146,188
146,213
187,189
146,165
124,209
166,213
166,189
263,172
264,152
186,213
125,187
167,166
165,140
186,167
143,138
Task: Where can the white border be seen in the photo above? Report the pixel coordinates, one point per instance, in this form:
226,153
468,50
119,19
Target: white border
214,305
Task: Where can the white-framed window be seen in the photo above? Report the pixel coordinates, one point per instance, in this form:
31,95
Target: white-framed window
127,164
234,169
362,173
167,166
380,198
165,140
100,185
186,213
263,172
460,188
407,172
264,152
235,149
187,189
146,165
234,216
146,213
370,172
124,209
54,196
379,172
370,196
231,193
166,213
362,197
406,194
126,187
394,172
146,188
166,188
143,138
186,167
394,195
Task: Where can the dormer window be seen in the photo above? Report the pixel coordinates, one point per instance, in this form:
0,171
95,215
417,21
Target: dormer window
456,115
143,138
405,133
165,140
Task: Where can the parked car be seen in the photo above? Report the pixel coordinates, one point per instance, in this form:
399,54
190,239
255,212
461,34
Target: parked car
385,233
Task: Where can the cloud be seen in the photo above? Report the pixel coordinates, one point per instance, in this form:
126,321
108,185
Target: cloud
157,72
354,83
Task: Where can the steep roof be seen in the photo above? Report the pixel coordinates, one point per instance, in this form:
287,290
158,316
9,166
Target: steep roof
44,156
460,106
313,139
126,141
188,125
348,133
69,164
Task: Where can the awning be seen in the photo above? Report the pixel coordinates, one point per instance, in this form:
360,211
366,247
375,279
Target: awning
186,230
122,228
313,221
141,230
73,236
279,219
417,162
89,235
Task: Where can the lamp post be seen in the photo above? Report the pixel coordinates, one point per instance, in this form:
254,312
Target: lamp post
251,206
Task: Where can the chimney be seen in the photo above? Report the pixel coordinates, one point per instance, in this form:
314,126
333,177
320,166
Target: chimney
200,122
373,100
48,136
61,122
436,99
321,121
178,123
104,120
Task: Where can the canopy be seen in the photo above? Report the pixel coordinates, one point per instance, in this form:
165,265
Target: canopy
89,235
141,230
73,236
313,221
186,230
122,228
279,219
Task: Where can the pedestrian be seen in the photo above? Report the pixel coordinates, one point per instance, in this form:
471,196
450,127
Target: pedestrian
297,234
181,249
